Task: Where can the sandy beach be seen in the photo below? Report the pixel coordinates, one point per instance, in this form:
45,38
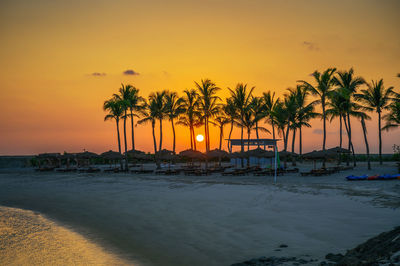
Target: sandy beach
189,220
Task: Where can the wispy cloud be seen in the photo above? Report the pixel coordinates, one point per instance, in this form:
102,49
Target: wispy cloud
98,74
130,72
310,46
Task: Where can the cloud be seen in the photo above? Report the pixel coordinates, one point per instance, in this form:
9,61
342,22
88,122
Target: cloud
98,74
310,46
130,72
318,131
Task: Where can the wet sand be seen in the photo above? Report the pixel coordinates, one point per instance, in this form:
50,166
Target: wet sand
210,220
28,238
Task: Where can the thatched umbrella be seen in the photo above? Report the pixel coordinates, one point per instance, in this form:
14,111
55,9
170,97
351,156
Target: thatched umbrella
136,154
319,155
259,153
338,150
217,153
166,155
111,155
86,155
192,154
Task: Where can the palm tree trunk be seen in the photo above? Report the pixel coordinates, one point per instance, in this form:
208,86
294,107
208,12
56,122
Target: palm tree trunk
380,137
287,136
160,144
191,137
205,132
340,133
248,146
173,132
194,140
293,139
126,145
230,133
351,142
366,141
221,133
324,122
154,137
119,141
273,129
300,142
241,144
133,132
258,144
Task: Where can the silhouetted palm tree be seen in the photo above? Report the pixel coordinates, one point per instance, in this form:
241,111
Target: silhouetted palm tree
221,120
115,111
335,109
123,97
279,116
232,115
377,98
241,100
363,117
258,109
393,117
191,114
208,105
173,108
158,99
324,83
304,113
269,105
290,108
135,104
347,84
150,115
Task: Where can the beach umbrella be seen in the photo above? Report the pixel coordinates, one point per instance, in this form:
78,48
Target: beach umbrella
111,155
192,154
136,154
259,153
166,155
319,155
338,150
287,154
217,153
86,155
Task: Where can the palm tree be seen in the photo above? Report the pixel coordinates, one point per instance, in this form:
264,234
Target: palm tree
269,105
257,108
232,115
335,109
393,117
158,100
221,120
173,108
241,100
208,105
279,116
123,98
348,85
305,112
115,111
363,117
324,82
191,114
135,103
290,108
376,97
150,114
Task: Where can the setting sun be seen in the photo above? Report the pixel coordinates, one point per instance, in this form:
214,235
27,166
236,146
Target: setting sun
199,138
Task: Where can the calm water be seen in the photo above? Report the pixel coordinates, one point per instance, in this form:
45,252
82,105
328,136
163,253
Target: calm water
205,221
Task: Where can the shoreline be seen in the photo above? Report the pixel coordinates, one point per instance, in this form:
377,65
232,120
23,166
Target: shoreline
28,237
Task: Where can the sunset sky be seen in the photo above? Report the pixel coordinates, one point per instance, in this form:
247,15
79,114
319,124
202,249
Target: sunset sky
59,61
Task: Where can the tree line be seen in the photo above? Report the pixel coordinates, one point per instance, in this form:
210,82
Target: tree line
340,94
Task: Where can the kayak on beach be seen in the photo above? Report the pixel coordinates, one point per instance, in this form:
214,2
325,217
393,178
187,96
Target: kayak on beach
373,177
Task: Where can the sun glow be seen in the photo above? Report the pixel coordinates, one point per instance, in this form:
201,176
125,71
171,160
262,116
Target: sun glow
199,138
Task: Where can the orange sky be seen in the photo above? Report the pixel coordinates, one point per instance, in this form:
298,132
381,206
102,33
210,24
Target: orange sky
49,101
